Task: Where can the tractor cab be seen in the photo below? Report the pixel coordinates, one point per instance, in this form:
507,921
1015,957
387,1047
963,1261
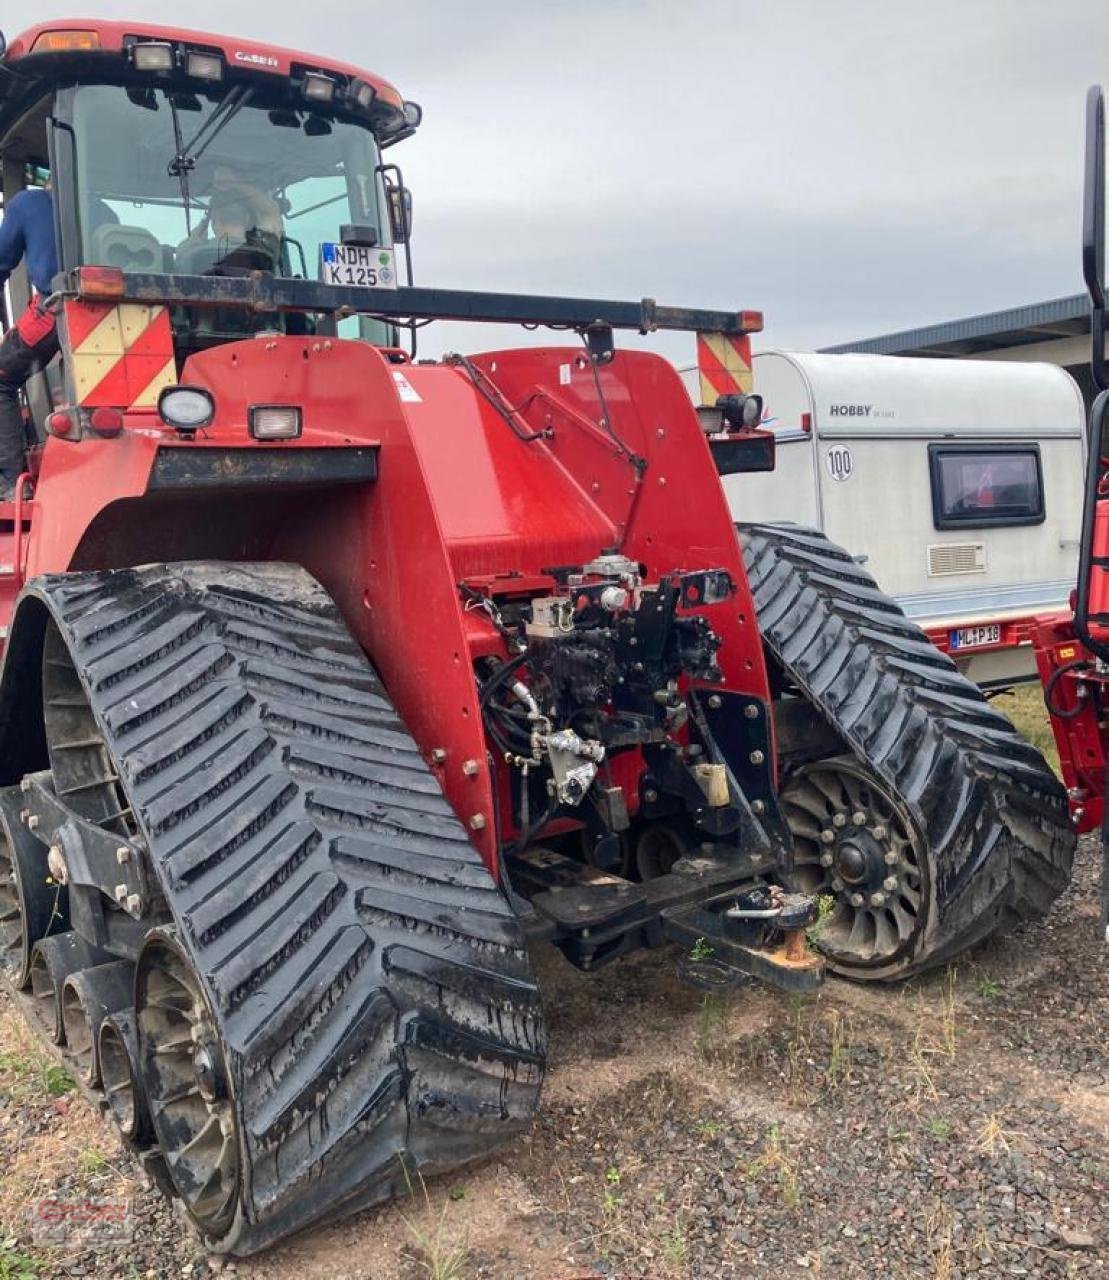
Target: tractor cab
176,153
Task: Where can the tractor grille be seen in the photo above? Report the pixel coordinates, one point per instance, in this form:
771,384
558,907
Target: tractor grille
945,558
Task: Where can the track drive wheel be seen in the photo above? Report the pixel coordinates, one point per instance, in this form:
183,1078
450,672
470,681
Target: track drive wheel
853,843
939,822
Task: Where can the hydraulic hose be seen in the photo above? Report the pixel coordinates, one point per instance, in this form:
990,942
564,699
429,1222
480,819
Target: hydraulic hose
1064,713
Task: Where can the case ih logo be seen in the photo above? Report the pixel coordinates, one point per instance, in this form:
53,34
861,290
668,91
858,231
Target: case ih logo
850,410
255,59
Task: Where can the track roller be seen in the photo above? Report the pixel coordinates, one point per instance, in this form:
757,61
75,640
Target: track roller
186,1082
657,848
30,906
117,1054
52,962
88,996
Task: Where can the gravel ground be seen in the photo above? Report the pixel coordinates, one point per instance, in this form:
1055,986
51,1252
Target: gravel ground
952,1127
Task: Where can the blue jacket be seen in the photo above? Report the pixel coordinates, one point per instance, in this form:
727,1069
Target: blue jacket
27,230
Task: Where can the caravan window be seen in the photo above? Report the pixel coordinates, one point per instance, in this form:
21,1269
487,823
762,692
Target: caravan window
975,486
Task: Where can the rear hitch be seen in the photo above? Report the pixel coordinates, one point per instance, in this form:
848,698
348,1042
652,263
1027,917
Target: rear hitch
759,933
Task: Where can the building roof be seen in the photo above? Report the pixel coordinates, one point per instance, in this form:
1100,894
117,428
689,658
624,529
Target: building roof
1018,327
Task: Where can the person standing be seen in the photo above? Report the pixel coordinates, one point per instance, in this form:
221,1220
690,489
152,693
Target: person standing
26,232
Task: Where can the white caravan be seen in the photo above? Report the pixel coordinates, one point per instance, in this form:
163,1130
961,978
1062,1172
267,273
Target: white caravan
958,483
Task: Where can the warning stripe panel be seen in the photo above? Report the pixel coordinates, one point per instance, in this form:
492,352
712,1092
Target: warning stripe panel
121,355
724,365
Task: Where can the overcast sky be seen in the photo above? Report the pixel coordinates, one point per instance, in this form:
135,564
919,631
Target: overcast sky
849,167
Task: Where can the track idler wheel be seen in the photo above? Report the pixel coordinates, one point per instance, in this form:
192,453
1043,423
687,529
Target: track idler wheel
853,843
87,998
657,848
53,960
30,906
118,1056
186,1082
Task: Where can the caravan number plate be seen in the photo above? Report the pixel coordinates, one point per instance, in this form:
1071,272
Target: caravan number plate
972,637
358,265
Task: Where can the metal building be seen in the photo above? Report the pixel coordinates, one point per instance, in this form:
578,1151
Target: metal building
1057,332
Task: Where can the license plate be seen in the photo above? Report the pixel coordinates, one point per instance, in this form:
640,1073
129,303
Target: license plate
972,637
355,264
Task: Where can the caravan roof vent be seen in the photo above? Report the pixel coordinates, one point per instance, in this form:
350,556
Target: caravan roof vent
945,558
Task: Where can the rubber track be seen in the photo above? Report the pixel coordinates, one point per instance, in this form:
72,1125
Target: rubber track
992,815
374,993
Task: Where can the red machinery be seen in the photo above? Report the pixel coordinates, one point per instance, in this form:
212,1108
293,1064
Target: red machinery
336,678
1073,653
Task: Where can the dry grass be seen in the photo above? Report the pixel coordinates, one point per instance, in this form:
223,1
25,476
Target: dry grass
776,1162
438,1249
68,1137
1025,707
992,1138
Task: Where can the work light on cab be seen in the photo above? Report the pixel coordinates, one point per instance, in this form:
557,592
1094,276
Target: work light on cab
318,87
362,93
186,409
152,55
275,421
204,66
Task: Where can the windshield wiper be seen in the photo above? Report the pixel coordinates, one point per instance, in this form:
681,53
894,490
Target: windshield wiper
190,153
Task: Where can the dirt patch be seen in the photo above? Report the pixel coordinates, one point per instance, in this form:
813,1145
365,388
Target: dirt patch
955,1126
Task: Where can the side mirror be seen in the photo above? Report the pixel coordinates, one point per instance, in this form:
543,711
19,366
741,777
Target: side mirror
400,213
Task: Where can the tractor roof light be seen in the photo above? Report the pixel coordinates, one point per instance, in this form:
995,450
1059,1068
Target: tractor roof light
152,55
204,66
66,42
317,87
413,114
186,409
275,421
361,93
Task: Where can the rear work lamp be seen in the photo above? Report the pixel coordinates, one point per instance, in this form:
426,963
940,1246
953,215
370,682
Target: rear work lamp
274,421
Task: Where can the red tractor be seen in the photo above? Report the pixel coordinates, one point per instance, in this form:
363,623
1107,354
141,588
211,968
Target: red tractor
334,680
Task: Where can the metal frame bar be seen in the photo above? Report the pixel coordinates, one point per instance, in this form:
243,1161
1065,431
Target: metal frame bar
263,292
